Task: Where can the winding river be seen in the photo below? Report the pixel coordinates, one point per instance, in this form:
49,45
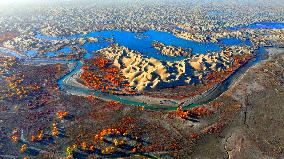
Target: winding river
73,88
143,45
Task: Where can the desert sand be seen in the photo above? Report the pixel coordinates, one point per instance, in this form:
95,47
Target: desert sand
147,72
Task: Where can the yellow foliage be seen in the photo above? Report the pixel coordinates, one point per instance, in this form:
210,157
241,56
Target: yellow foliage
14,138
24,148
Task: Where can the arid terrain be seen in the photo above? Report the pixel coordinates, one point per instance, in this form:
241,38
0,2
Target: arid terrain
183,79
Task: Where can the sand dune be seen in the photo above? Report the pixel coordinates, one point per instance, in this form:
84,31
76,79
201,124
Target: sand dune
145,73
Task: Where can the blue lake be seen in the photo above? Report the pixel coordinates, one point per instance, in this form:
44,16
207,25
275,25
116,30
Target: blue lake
65,50
144,45
234,41
260,25
132,41
142,41
50,54
31,53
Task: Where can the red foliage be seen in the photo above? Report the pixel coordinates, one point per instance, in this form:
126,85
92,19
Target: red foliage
100,62
112,103
181,113
241,59
108,131
91,98
85,68
194,136
200,111
111,70
105,78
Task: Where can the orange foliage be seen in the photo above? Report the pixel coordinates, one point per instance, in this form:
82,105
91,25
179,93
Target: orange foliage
111,70
85,68
40,135
84,145
194,136
105,78
100,62
241,59
141,108
112,103
92,148
55,131
200,111
33,138
61,114
14,138
181,113
111,78
91,98
23,148
108,131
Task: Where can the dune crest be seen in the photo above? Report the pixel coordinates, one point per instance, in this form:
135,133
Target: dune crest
147,73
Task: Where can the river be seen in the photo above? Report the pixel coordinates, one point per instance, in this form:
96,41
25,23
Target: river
142,42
